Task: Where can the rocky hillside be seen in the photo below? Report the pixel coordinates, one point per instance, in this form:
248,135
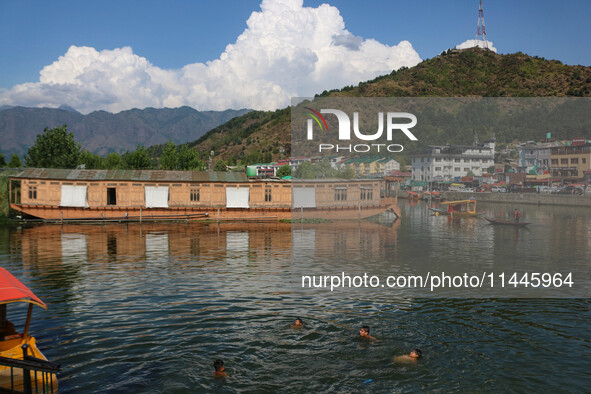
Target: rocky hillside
455,73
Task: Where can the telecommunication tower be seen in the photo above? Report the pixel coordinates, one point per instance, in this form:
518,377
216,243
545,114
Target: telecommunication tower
480,28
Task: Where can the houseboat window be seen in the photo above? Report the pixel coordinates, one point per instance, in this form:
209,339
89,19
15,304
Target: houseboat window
268,194
195,195
111,196
32,192
340,194
366,194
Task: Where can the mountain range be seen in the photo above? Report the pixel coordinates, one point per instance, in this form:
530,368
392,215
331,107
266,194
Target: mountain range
251,135
103,132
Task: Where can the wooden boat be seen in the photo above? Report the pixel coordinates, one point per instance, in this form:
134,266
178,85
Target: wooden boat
61,195
414,195
461,208
439,211
432,195
506,222
19,356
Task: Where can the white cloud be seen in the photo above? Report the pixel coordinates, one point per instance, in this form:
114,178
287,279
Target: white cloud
477,43
286,50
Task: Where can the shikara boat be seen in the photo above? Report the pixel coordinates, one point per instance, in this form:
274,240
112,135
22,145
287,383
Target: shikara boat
23,368
439,211
461,209
506,222
414,195
432,195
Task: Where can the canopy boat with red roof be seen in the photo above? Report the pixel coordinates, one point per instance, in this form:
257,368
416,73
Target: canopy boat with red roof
19,355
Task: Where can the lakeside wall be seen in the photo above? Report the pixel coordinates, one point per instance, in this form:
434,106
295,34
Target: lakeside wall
523,198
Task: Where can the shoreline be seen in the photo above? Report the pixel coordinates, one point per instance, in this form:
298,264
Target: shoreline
583,201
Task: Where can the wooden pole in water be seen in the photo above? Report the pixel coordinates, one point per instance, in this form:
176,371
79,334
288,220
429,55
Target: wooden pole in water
140,214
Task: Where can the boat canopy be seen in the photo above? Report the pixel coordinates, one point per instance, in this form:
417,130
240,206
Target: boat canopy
458,202
12,290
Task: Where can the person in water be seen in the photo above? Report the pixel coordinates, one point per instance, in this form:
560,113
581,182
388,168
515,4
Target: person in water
219,369
413,357
364,333
298,323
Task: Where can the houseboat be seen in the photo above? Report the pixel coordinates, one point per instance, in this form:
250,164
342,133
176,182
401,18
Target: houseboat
151,195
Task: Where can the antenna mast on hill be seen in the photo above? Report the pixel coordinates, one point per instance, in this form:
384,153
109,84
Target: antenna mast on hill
480,28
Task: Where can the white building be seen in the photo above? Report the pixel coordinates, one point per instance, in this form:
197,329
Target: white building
449,162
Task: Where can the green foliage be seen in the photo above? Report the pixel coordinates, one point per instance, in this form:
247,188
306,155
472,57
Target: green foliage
137,160
90,160
322,170
169,158
284,170
54,148
15,161
188,159
113,161
220,165
180,158
346,172
2,161
305,171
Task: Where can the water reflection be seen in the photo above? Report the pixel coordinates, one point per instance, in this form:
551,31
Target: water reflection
147,308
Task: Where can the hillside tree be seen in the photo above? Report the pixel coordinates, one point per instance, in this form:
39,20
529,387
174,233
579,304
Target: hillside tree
15,161
54,148
137,159
284,170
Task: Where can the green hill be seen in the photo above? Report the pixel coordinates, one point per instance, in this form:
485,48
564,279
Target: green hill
472,72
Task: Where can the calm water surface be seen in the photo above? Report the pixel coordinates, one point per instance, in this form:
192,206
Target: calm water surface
147,308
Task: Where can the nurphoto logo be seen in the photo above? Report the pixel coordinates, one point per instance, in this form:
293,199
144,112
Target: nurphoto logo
344,130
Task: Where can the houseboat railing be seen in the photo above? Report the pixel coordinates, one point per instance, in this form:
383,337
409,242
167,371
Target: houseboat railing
38,376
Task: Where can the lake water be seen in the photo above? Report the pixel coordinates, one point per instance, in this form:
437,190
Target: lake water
148,308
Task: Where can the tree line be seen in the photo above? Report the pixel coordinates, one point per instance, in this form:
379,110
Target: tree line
57,148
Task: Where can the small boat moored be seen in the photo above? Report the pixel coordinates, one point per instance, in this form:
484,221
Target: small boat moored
439,211
506,222
23,368
461,208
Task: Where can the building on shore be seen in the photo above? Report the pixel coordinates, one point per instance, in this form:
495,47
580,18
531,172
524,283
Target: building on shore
534,157
452,162
371,166
571,161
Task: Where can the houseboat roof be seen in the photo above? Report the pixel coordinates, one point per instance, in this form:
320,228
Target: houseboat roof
130,175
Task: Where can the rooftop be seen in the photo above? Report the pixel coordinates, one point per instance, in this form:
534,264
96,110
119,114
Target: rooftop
131,175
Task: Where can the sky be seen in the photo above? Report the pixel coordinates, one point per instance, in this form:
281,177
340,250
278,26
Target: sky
215,55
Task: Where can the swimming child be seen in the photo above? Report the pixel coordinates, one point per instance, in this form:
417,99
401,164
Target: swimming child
364,333
413,357
219,369
298,323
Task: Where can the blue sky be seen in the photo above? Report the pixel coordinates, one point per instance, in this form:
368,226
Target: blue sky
173,34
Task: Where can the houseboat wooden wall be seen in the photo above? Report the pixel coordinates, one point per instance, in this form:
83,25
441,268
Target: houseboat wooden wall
40,196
